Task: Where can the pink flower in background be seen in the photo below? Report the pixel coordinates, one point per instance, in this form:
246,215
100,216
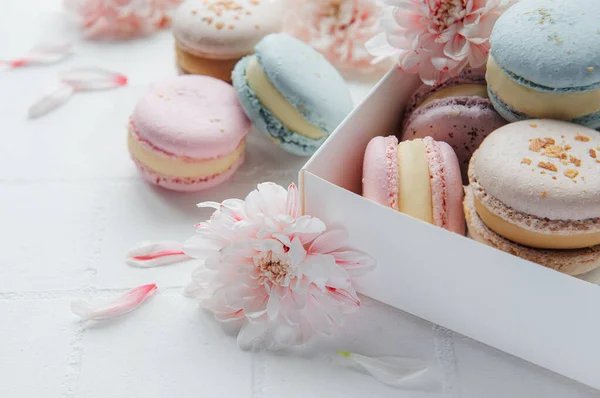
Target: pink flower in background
118,19
437,38
281,275
338,29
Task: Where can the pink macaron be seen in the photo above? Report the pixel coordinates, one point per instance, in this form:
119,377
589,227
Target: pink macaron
457,111
420,178
188,133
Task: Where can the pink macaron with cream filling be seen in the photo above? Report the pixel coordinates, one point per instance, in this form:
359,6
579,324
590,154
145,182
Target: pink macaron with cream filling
188,133
420,178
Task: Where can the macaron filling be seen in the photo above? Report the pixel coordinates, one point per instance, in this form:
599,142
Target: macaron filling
182,167
460,90
276,103
414,186
534,239
200,65
540,102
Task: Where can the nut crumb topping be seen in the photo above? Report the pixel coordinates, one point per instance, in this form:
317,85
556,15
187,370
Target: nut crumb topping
568,147
554,177
548,166
533,125
544,194
571,173
593,153
526,161
564,161
536,144
582,138
219,25
575,161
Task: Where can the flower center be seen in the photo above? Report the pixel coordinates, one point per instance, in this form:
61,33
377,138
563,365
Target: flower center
448,12
273,269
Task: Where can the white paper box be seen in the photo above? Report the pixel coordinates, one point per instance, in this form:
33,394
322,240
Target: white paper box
522,308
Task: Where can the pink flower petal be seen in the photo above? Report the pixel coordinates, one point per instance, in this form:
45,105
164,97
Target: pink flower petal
153,254
328,241
86,79
122,305
293,208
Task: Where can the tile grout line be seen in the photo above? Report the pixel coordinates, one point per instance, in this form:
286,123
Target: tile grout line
75,362
42,295
99,221
444,354
259,372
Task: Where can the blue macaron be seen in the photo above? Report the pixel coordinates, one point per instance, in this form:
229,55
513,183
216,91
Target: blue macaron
545,61
291,93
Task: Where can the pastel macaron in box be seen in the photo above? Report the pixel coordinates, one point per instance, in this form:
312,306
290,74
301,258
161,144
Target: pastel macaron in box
535,192
291,93
212,35
457,111
420,178
545,61
188,133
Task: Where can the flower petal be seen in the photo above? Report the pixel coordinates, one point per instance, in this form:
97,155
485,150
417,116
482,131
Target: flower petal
328,241
251,335
86,79
51,101
396,372
148,254
119,306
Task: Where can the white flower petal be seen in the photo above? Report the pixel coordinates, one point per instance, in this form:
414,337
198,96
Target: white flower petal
152,254
113,308
51,101
251,335
201,247
396,372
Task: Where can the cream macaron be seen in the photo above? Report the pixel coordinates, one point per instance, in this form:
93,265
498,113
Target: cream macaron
212,35
535,192
188,133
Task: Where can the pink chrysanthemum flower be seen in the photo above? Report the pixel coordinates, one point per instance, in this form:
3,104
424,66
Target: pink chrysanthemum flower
118,19
437,38
338,29
282,275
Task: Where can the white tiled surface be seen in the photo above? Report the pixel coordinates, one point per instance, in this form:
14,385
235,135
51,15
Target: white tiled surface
71,204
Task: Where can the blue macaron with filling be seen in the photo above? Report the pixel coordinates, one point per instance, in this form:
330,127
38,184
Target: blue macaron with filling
291,93
545,61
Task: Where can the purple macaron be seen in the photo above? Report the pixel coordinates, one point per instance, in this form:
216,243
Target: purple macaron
457,111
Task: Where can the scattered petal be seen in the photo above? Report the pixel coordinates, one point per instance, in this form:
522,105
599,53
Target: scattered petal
396,372
88,79
42,54
51,101
122,305
153,254
83,79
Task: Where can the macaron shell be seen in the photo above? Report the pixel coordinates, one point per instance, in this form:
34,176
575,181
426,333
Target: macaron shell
462,122
466,76
571,262
380,171
454,190
265,122
306,79
508,170
225,29
194,116
550,44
